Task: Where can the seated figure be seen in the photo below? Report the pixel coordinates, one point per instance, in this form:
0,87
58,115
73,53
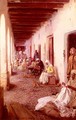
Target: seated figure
32,66
48,71
15,64
36,67
39,66
23,65
62,104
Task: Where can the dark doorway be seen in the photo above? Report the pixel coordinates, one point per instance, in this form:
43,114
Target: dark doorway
30,51
39,50
71,41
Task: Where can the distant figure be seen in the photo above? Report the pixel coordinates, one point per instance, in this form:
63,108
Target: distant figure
15,64
36,67
24,56
23,65
39,65
36,55
71,61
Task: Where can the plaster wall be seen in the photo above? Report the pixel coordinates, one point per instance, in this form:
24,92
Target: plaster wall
62,22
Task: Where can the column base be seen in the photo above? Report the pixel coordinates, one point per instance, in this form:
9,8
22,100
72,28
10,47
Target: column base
5,80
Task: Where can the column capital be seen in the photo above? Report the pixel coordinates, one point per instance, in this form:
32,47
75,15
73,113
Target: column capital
3,5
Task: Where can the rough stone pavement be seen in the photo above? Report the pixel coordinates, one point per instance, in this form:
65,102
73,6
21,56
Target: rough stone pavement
23,91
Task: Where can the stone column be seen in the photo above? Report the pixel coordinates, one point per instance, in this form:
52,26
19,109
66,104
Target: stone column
3,70
9,51
3,44
12,54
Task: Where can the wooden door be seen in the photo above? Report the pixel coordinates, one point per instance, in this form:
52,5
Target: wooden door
51,50
30,51
39,51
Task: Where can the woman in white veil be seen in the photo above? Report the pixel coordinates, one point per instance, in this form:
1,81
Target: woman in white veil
49,70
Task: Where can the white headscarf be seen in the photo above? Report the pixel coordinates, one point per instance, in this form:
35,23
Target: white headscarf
37,59
47,61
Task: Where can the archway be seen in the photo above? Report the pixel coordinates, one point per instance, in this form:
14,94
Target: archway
70,41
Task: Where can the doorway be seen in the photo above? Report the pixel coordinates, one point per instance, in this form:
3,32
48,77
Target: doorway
71,41
39,50
30,51
50,49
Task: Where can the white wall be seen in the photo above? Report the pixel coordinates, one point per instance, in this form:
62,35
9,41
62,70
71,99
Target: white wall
63,22
27,44
41,38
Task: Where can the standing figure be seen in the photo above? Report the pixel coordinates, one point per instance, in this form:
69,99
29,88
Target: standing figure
71,61
36,55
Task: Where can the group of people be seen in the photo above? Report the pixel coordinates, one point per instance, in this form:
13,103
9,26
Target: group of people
20,57
63,103
29,65
36,67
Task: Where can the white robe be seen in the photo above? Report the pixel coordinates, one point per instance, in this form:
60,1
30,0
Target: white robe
43,78
62,99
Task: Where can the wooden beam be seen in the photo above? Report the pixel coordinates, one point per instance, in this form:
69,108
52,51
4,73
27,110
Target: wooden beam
31,11
29,16
26,37
25,25
21,33
23,36
19,38
24,32
23,28
28,20
20,41
35,5
34,13
38,1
